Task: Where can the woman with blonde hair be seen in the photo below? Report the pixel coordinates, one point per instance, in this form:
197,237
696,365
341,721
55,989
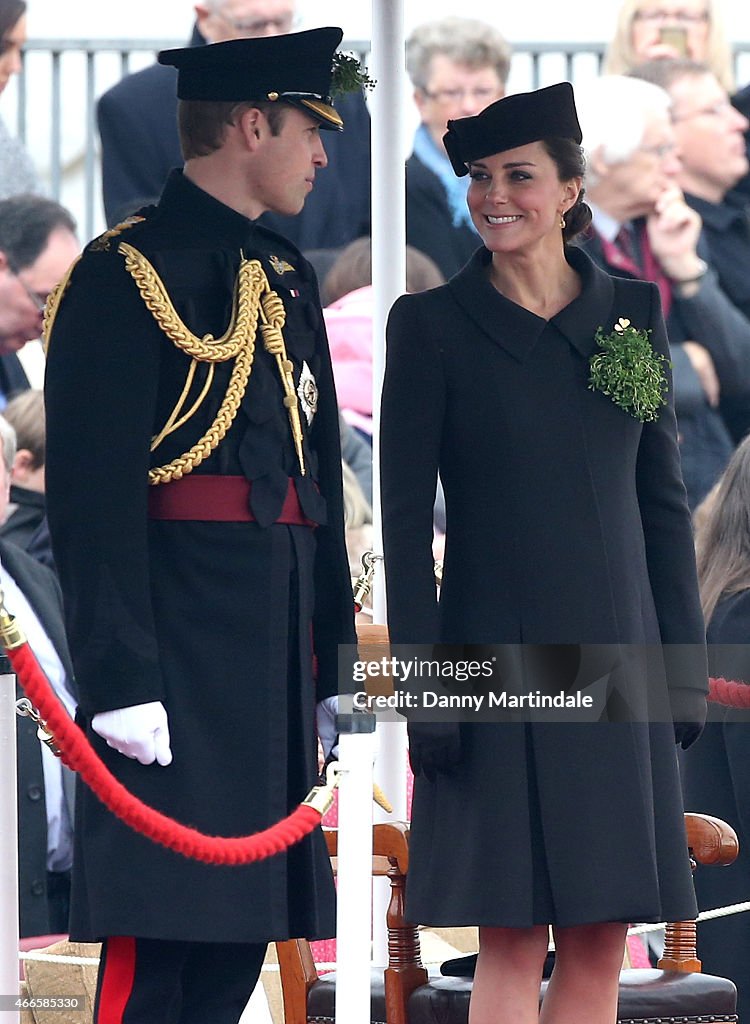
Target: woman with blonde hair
716,772
652,30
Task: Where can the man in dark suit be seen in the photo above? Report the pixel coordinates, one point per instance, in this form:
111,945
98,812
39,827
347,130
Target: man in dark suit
37,245
709,132
137,125
45,786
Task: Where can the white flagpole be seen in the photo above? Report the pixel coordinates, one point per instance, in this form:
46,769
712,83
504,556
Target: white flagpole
389,281
8,844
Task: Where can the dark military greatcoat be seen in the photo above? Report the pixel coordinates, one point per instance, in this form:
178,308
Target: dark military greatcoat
566,524
222,621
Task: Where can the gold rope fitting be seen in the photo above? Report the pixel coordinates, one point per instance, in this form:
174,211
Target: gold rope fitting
363,583
381,799
320,798
11,634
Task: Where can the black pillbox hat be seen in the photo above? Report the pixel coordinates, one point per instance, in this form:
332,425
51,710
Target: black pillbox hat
513,121
294,68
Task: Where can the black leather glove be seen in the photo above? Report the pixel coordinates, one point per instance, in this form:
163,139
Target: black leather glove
688,709
434,747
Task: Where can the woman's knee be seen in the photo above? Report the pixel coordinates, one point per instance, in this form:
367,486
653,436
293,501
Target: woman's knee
592,947
514,946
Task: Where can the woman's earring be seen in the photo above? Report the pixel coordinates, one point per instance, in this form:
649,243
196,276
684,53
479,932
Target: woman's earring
562,222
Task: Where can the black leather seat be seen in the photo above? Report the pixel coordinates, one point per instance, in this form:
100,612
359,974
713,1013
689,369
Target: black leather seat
646,996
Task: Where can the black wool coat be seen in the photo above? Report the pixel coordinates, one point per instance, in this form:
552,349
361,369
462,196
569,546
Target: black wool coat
716,780
567,523
221,621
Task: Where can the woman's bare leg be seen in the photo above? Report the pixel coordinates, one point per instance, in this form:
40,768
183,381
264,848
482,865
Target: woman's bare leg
508,975
584,983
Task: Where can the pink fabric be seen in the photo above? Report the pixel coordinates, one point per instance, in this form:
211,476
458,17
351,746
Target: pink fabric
349,326
637,951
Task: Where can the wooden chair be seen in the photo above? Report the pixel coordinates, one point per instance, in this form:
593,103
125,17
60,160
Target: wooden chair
406,993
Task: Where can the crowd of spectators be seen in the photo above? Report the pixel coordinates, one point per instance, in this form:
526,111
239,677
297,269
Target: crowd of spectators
665,131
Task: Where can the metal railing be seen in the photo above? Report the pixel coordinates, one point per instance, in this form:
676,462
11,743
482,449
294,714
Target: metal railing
53,100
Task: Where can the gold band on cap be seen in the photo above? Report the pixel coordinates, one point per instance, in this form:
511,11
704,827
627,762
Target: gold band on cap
324,111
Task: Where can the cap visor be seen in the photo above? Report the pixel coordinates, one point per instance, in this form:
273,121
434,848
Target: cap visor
325,113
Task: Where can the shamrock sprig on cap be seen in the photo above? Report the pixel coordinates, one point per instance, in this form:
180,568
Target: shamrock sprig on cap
349,75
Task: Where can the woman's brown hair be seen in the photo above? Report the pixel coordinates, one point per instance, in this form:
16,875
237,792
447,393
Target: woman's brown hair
723,534
10,12
570,161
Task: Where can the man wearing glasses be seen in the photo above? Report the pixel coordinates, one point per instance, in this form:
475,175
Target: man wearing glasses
137,119
37,245
711,135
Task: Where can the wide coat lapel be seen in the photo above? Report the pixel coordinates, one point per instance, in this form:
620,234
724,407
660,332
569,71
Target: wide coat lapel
513,328
517,330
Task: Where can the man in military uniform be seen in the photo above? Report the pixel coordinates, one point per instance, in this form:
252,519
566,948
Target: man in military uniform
194,495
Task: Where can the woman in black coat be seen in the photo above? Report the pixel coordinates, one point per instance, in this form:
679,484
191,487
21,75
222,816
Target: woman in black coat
568,543
716,772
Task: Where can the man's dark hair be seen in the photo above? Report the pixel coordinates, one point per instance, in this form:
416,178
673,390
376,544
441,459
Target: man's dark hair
10,12
202,123
26,222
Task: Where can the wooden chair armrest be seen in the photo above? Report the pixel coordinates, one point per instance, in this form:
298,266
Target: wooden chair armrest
711,840
389,839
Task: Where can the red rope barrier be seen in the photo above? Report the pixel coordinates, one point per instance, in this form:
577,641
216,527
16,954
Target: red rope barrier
729,693
77,753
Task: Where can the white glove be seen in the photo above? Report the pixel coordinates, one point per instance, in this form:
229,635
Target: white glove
325,720
140,732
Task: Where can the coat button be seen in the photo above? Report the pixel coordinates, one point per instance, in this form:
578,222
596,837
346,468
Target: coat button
34,793
37,887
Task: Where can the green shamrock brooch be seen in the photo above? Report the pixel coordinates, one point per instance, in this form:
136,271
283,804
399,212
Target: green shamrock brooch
629,371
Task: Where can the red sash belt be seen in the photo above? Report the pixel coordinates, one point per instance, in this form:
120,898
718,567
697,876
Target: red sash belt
217,499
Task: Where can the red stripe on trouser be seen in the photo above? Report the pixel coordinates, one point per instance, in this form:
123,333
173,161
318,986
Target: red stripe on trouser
117,984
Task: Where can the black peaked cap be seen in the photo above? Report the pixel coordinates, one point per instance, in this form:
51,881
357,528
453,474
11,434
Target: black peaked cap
294,68
513,121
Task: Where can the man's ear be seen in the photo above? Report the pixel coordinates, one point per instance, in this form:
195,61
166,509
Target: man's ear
251,123
23,463
202,13
4,265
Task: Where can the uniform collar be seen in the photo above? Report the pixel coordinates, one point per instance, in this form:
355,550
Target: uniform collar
517,330
191,210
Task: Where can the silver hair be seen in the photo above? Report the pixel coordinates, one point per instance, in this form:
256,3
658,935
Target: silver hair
466,41
217,5
614,113
8,438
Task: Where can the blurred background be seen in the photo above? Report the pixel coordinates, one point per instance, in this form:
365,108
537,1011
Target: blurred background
79,49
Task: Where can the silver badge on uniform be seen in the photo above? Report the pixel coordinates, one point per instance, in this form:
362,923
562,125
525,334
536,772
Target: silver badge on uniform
307,391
